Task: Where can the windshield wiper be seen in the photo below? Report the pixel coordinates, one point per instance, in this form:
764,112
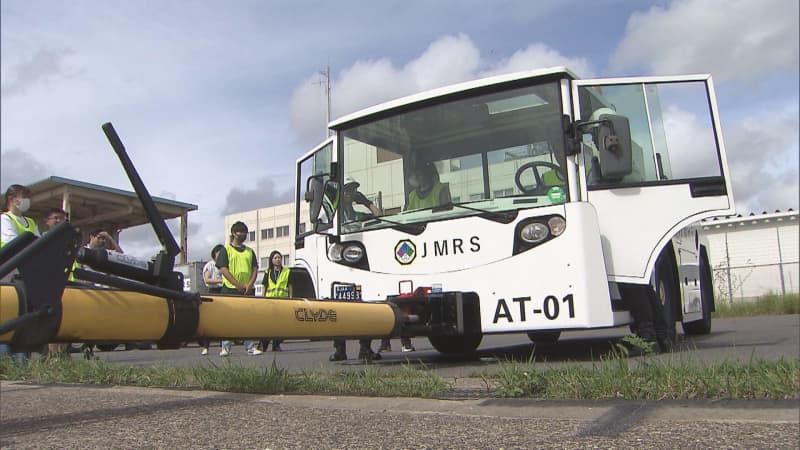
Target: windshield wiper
495,216
410,228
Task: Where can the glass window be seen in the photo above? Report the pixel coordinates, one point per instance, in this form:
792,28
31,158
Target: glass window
282,231
477,147
301,228
672,134
267,233
251,236
265,261
314,173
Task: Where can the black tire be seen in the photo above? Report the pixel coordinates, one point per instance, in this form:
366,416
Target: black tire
459,345
544,337
107,347
703,326
667,300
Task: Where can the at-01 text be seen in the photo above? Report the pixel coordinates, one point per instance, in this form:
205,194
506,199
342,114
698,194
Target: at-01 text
551,307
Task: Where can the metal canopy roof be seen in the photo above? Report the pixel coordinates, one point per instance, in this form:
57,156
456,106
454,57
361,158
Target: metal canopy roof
91,206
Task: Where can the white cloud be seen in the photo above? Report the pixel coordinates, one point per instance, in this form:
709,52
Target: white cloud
539,55
763,159
732,39
448,60
19,167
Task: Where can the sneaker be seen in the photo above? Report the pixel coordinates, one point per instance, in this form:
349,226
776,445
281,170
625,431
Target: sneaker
255,351
204,351
224,352
407,348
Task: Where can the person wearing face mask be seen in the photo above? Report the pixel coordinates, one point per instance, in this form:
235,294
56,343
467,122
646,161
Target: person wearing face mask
427,191
12,224
13,221
239,267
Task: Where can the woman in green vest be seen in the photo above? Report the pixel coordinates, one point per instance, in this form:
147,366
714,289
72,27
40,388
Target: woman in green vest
13,221
12,224
276,284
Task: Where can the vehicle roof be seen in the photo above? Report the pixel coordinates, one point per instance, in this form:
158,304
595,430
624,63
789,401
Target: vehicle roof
344,121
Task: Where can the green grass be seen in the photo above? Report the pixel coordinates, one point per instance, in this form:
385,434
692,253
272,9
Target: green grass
649,378
766,305
614,377
228,377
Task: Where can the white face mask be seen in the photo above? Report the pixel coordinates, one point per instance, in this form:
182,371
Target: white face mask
24,204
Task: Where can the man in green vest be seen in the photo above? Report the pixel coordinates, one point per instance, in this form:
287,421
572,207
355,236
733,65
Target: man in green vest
239,266
427,191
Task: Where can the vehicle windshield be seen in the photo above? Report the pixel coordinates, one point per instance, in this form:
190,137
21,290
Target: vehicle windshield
492,153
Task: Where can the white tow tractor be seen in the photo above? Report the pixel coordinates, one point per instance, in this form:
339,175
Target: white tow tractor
557,191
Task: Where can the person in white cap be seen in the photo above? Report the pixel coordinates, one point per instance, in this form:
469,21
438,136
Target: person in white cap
351,196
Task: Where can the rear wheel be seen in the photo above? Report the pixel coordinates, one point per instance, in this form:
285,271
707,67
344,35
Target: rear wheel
463,344
544,337
703,326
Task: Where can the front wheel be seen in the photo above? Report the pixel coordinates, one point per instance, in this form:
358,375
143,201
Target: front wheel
667,301
463,344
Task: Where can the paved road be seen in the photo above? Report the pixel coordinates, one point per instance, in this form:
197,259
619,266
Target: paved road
63,416
76,416
768,337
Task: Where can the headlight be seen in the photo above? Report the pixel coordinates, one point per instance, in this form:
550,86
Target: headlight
557,225
335,252
353,253
534,232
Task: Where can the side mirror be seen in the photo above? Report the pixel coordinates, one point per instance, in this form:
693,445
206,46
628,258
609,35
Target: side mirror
314,188
323,197
613,142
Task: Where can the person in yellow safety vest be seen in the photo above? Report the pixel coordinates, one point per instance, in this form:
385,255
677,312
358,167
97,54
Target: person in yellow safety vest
239,267
12,224
13,221
54,217
276,284
428,191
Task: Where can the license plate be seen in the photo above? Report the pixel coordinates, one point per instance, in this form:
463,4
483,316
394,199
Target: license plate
346,291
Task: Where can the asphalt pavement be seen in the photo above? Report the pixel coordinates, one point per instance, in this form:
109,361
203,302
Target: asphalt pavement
73,416
81,416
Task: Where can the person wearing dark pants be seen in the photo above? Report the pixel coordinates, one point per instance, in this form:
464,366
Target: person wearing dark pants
276,284
365,352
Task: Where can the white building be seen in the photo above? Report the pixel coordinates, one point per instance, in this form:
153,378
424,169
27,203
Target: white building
754,255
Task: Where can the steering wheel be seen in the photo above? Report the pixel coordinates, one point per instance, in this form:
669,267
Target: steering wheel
540,187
